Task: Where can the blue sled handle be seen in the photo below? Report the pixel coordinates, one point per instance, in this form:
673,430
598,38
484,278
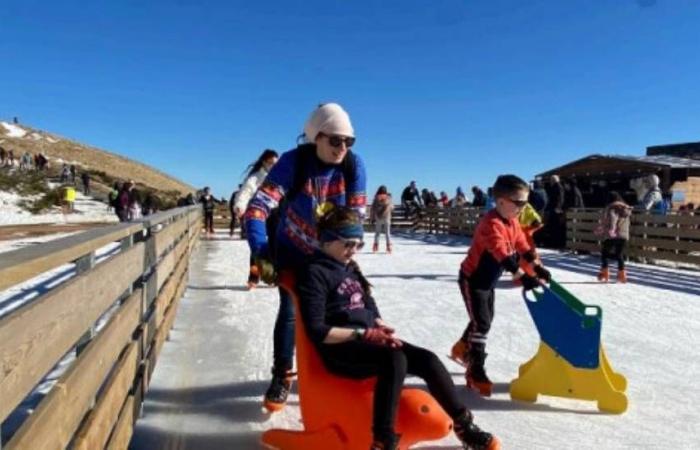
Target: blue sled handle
598,310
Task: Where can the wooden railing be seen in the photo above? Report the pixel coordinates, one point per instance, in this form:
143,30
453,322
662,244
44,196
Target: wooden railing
671,237
452,220
222,218
113,314
653,237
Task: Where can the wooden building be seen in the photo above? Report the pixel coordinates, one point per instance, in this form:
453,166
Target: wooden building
596,175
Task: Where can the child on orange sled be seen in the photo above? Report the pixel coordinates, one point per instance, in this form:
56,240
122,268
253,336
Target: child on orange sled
498,244
342,320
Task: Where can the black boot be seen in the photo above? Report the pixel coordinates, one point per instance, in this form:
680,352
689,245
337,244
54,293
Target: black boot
277,393
388,443
473,437
476,373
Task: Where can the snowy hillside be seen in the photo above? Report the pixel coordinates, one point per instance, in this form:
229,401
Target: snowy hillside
86,210
21,138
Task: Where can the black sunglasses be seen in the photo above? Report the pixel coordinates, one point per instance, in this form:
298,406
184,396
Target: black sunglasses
337,141
518,203
349,244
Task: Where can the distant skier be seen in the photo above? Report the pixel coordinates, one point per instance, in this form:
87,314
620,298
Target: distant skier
208,204
121,206
65,173
25,162
444,200
344,324
460,199
538,197
614,229
382,206
411,200
135,212
235,220
555,219
85,178
479,198
497,245
113,196
653,199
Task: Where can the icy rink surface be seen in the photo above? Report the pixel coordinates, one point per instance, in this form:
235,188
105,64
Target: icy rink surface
207,387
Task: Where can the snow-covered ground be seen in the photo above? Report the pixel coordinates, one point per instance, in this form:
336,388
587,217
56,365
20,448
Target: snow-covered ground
13,130
15,244
210,378
86,209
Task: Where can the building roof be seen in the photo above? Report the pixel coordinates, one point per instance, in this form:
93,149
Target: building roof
673,162
607,165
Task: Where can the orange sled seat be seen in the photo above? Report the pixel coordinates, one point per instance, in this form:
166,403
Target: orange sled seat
336,412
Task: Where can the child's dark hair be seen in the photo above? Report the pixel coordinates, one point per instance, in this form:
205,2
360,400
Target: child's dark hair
507,185
382,190
339,217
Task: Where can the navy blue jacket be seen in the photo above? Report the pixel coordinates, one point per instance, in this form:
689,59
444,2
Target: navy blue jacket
331,295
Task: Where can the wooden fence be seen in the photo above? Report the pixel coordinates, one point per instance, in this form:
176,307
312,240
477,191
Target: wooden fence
453,220
672,237
114,314
222,218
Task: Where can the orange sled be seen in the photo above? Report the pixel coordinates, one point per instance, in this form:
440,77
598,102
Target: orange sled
337,412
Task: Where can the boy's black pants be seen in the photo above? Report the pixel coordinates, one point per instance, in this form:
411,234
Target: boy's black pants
358,359
480,307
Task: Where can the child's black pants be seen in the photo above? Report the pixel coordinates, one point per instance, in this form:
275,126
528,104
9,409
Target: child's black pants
358,359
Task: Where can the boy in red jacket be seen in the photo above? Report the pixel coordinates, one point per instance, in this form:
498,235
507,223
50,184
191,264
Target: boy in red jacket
498,245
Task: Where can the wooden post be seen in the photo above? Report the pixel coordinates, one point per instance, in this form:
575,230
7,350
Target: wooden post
82,265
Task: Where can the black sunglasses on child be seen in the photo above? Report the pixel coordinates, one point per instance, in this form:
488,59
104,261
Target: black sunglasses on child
518,203
349,244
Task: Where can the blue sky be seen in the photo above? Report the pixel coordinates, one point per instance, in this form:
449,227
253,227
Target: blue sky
445,92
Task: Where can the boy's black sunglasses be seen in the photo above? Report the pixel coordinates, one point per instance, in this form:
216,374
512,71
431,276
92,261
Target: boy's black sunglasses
518,203
337,141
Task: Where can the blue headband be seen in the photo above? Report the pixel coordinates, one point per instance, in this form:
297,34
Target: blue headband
347,232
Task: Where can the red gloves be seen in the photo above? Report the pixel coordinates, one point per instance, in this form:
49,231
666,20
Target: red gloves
381,335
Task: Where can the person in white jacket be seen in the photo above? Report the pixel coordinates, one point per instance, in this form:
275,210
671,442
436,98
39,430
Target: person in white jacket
255,175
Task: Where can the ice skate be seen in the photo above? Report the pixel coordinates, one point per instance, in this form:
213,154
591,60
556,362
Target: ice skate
477,379
473,437
276,395
459,353
604,275
621,276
